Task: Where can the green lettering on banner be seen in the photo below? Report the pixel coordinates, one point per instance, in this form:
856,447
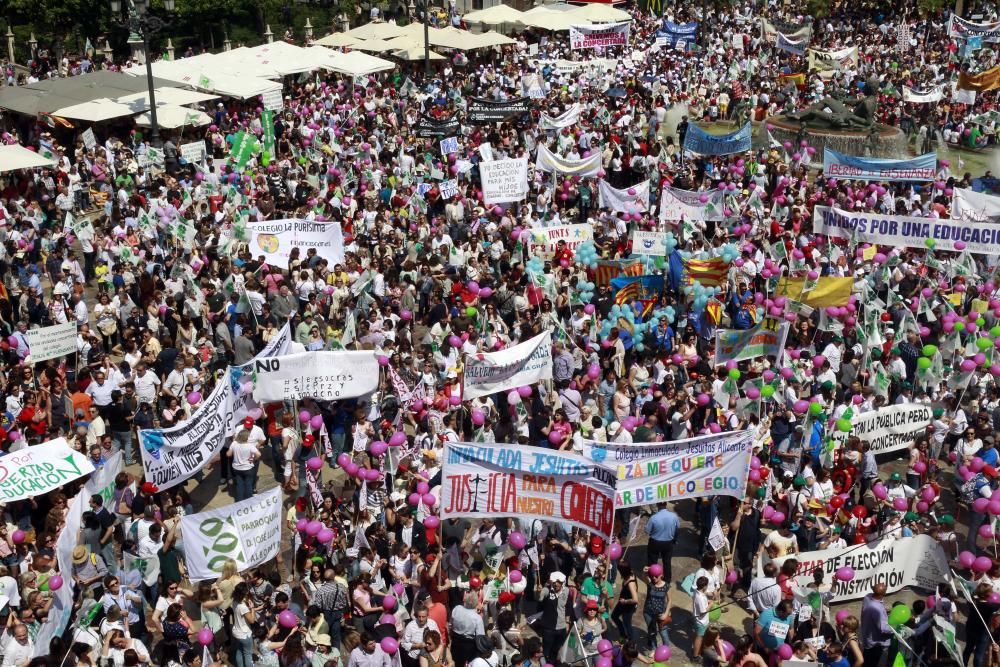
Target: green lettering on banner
267,133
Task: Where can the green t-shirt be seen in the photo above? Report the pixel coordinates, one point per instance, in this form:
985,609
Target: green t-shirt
591,589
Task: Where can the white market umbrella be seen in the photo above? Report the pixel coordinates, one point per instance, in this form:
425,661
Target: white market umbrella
172,116
494,15
416,53
16,156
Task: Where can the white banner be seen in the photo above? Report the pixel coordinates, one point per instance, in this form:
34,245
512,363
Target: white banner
543,240
828,61
546,160
528,483
274,239
621,200
677,204
888,429
31,472
656,472
51,342
907,231
975,206
523,364
898,563
249,532
962,96
504,181
598,35
569,117
194,152
325,376
770,32
172,455
910,95
649,243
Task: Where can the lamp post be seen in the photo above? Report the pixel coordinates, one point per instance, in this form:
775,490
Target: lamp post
139,21
424,6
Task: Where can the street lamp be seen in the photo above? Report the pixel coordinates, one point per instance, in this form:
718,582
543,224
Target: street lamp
424,6
139,21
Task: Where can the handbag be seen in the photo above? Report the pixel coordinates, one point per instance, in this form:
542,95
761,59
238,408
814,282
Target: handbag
291,484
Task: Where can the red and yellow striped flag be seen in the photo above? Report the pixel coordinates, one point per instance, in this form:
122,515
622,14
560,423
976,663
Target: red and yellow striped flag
708,272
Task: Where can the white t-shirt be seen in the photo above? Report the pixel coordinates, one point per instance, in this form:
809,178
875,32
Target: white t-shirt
243,455
145,386
241,629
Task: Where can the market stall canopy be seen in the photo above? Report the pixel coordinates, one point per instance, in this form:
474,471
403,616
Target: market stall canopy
95,111
599,13
166,95
16,156
52,94
172,116
416,54
494,15
339,39
373,45
493,38
356,63
547,19
198,72
377,31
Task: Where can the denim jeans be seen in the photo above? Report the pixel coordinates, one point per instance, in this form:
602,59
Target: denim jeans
652,632
243,488
277,459
123,440
976,520
622,616
243,652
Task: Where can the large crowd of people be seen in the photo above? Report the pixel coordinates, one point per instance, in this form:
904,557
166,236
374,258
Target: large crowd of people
428,280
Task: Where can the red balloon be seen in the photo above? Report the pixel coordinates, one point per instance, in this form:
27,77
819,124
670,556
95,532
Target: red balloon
475,582
886,317
860,511
764,472
837,502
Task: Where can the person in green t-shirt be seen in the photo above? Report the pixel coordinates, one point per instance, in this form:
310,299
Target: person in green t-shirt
597,587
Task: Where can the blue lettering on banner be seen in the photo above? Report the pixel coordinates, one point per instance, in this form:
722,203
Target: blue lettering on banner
908,231
698,141
838,165
675,32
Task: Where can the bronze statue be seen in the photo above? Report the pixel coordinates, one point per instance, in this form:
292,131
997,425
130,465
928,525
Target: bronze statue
832,114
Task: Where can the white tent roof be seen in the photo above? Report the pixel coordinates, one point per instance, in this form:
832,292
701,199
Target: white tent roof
416,54
377,31
167,95
493,38
199,72
339,39
171,116
494,15
356,63
599,13
16,156
547,19
373,45
95,111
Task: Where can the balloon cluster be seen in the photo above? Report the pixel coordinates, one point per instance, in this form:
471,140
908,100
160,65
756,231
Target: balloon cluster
730,253
585,290
700,295
586,254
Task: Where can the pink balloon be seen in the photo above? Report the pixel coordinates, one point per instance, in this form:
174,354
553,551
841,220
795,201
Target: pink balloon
389,603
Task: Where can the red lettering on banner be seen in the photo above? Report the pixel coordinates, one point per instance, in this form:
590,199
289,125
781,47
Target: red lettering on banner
587,506
461,496
502,494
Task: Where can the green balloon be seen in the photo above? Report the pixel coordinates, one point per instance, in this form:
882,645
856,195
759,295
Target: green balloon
899,615
959,326
734,373
471,312
995,331
923,363
815,409
930,243
844,425
980,322
715,613
930,350
984,343
767,391
815,601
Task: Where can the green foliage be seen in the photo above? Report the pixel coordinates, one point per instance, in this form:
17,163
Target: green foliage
819,8
927,7
53,21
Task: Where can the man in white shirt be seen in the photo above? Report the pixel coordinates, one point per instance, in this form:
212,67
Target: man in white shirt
147,385
100,390
17,646
412,641
245,452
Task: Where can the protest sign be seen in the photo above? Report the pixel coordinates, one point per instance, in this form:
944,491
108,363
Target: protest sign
960,28
975,206
60,611
655,472
449,145
565,119
274,239
829,291
906,231
267,135
520,365
767,339
272,100
528,483
982,82
89,140
671,33
51,342
428,127
245,144
924,97
898,563
701,142
543,240
35,470
829,61
598,35
448,188
546,160
838,165
480,111
786,43
325,376
770,31
194,152
626,200
890,428
649,243
504,181
677,204
249,532
962,96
